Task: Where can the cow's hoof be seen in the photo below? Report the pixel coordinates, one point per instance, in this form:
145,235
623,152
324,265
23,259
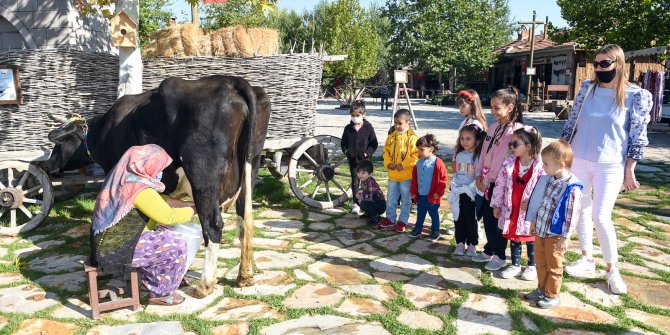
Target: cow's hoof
245,281
202,291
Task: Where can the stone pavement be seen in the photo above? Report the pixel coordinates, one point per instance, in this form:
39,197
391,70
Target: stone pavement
327,272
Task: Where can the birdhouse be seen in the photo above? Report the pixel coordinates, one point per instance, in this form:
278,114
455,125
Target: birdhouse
124,31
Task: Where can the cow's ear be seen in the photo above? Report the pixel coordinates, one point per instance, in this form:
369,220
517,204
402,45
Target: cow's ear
61,135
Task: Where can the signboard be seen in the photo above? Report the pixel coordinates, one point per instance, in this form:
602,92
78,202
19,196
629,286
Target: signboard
530,71
400,76
10,87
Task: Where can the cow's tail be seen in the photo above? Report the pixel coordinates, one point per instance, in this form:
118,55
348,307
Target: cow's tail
247,91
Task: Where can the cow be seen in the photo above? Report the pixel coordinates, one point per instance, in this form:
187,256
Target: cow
214,128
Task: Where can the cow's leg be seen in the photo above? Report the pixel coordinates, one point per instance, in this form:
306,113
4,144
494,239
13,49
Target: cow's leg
208,278
245,225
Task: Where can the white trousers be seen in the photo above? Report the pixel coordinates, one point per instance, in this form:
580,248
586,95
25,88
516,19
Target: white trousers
604,180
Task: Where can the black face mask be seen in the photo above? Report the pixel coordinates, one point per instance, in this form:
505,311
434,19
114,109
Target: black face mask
606,76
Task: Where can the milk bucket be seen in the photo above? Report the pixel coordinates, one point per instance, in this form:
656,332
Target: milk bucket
192,233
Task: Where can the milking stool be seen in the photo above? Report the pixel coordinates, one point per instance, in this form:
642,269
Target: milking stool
94,295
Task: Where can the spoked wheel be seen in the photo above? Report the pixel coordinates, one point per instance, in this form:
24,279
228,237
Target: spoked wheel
318,172
26,197
278,166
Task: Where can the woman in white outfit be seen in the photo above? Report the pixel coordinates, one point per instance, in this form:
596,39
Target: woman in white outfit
609,120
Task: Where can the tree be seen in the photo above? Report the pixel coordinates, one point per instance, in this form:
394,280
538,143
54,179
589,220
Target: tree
347,28
233,13
631,24
441,35
152,17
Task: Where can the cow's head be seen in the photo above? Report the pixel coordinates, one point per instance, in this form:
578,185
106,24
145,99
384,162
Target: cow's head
69,152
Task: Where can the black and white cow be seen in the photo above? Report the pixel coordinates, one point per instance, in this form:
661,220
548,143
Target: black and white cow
214,128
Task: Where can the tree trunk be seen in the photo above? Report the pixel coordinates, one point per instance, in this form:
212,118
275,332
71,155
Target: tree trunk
452,79
195,16
130,58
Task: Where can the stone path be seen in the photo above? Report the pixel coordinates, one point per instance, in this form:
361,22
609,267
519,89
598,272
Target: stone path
326,272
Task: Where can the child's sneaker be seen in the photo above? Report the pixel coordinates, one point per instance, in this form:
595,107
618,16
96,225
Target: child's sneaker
482,258
415,233
373,221
355,209
451,230
472,251
547,302
510,272
386,223
400,227
536,295
434,236
460,250
495,264
530,273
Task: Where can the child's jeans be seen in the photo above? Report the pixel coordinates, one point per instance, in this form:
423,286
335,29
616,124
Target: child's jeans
398,190
373,208
423,207
516,252
355,182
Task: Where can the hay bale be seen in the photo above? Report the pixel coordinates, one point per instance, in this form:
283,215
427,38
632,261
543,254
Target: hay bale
205,45
191,40
175,41
228,41
243,42
191,34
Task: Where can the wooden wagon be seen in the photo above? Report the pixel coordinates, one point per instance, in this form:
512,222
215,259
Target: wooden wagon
58,82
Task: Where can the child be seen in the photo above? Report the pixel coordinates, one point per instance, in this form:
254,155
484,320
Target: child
400,156
429,181
553,210
463,189
470,107
370,195
494,152
359,142
514,184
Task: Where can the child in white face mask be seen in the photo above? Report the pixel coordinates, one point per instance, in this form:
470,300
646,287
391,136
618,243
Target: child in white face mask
358,143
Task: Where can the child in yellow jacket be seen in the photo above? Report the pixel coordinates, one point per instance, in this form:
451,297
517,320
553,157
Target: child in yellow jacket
400,157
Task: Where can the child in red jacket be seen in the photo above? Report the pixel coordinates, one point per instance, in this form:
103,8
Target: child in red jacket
429,181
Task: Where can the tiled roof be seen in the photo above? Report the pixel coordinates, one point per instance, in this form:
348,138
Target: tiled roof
524,45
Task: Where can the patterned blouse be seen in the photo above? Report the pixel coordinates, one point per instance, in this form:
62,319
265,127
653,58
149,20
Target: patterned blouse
638,105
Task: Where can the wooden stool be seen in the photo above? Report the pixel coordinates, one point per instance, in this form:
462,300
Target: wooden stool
94,295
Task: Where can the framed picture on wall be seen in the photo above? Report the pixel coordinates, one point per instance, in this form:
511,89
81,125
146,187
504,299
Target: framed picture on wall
10,85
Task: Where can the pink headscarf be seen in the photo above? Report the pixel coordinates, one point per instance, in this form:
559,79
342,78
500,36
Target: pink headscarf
136,170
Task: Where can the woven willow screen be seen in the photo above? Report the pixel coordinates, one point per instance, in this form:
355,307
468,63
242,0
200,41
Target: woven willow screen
54,83
292,81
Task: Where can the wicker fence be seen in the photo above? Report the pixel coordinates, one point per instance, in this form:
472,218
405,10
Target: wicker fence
54,82
292,82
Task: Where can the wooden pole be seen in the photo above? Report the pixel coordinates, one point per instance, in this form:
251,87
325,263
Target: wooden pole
532,50
130,58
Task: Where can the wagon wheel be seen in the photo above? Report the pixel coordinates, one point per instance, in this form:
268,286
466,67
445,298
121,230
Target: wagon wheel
26,196
65,192
318,172
279,166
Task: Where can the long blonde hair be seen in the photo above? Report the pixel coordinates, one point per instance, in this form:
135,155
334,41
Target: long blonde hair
615,52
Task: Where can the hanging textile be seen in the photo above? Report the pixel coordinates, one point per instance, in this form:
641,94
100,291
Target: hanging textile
654,82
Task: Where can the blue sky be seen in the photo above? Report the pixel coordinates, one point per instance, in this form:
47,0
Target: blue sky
521,9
